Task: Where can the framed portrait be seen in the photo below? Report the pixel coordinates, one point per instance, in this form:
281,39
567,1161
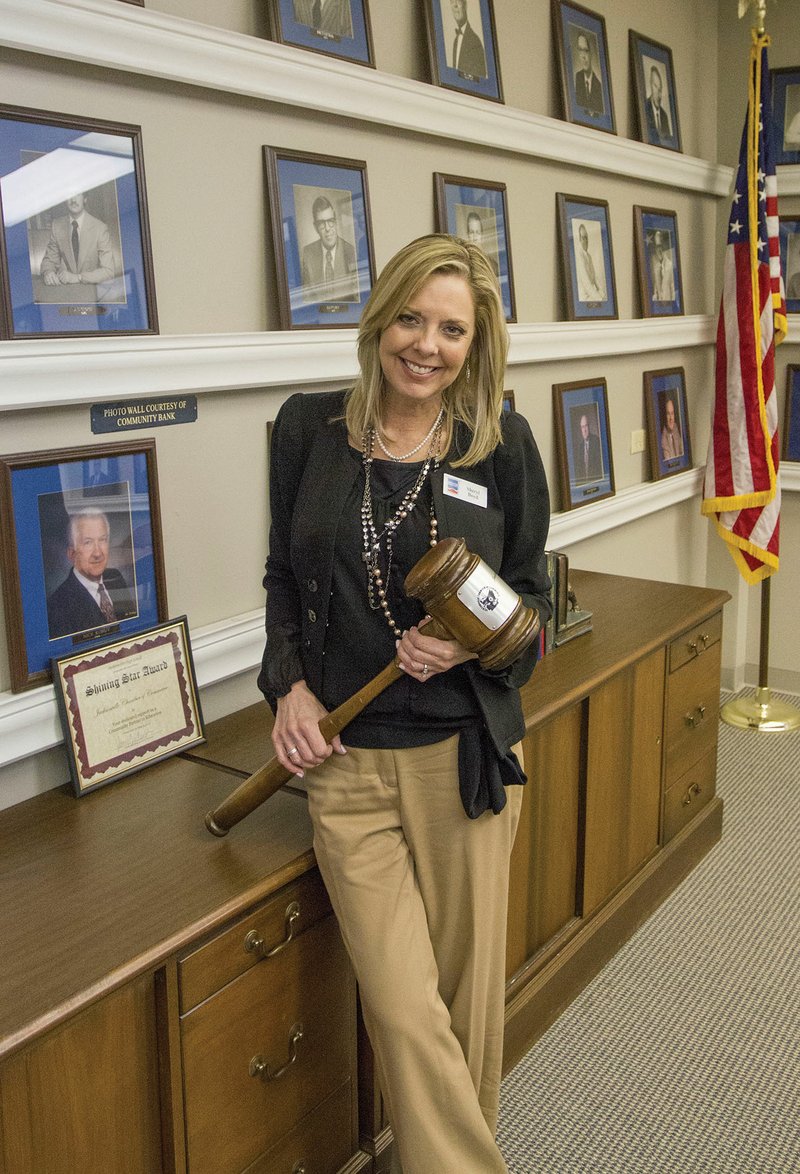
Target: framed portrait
322,236
338,28
583,440
786,114
75,254
587,259
654,90
462,47
127,705
658,263
80,550
668,440
791,419
582,55
508,401
476,210
789,237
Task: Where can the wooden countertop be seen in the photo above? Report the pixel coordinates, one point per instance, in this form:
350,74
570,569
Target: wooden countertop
99,889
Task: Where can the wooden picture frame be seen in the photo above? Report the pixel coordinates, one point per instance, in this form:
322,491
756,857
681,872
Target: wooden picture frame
786,114
75,251
791,416
655,94
587,258
789,243
127,705
584,74
476,210
319,202
340,29
583,441
668,438
90,511
462,47
658,263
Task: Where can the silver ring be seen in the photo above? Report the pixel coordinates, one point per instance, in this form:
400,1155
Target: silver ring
292,751
424,670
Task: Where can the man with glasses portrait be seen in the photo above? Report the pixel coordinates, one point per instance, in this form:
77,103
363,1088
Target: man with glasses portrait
329,265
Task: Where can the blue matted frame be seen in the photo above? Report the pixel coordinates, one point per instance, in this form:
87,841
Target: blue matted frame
656,101
668,439
38,492
786,114
574,402
589,104
658,262
297,183
462,203
584,230
789,237
47,160
791,418
477,68
343,29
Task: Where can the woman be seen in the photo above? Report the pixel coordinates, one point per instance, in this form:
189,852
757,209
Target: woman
413,825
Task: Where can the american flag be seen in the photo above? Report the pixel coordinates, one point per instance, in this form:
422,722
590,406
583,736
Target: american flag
742,488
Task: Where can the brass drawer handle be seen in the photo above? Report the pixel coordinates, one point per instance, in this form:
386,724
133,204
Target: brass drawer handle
263,1069
695,648
693,792
254,944
697,718
299,1168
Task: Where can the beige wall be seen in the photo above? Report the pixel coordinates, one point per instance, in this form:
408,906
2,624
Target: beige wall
214,274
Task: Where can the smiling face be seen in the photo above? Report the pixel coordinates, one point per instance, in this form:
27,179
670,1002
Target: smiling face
88,549
75,204
423,350
584,56
669,409
325,224
474,228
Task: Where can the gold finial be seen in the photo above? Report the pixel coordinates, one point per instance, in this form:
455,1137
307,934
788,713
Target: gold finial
761,13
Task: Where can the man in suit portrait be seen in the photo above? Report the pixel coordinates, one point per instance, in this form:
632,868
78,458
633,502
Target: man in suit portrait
588,87
659,128
475,235
671,435
329,265
79,250
590,274
332,18
93,595
662,268
587,457
468,56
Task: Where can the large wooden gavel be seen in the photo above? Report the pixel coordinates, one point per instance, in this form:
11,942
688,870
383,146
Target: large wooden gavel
467,601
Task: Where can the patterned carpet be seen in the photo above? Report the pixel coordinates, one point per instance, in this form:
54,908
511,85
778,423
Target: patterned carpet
684,1053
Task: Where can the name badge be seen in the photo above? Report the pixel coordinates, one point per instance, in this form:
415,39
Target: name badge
465,490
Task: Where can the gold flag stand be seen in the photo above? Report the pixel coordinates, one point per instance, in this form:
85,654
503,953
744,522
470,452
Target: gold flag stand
762,712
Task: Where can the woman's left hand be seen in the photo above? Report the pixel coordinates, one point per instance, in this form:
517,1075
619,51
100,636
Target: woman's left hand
422,657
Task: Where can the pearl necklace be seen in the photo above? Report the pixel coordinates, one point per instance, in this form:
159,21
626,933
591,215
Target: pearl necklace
417,447
377,586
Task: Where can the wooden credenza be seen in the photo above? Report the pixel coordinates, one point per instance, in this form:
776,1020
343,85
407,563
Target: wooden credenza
172,1002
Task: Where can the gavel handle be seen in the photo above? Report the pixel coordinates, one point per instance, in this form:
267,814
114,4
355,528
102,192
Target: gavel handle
271,777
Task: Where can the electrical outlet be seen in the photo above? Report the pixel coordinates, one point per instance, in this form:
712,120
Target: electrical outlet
637,440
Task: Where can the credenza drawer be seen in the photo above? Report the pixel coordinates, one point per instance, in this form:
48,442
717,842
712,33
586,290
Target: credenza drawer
319,1144
689,794
252,940
265,1050
692,712
696,642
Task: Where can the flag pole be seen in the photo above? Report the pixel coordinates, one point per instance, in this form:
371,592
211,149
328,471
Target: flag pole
761,712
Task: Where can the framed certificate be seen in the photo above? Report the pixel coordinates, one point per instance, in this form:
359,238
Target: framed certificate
128,704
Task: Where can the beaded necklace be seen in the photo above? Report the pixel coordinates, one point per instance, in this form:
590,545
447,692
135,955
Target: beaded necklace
377,586
416,448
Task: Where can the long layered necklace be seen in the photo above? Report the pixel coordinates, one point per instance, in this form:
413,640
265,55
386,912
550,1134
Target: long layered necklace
377,584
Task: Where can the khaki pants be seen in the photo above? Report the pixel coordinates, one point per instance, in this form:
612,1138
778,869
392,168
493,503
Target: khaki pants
421,894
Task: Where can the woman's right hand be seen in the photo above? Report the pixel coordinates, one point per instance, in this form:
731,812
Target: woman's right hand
298,743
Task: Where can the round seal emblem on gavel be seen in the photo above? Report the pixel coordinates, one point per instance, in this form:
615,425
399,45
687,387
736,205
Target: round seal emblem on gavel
487,598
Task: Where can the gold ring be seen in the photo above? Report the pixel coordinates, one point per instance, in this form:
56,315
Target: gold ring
424,670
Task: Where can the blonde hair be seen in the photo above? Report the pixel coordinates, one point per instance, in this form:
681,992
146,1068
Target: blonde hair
476,401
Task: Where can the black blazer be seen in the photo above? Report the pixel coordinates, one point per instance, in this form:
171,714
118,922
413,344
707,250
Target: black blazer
72,609
311,475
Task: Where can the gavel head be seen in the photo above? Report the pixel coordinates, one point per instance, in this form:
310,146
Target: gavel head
472,603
